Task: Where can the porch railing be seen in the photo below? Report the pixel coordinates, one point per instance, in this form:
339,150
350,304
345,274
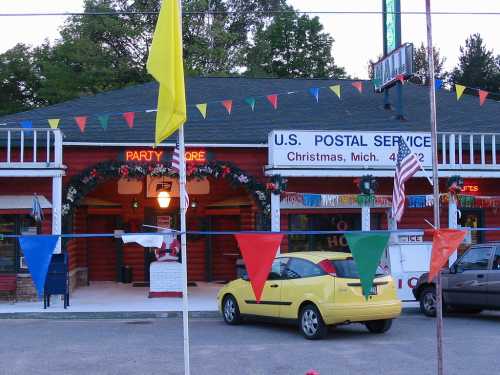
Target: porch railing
469,150
30,148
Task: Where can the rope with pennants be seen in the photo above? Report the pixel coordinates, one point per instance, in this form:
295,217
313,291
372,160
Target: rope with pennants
251,101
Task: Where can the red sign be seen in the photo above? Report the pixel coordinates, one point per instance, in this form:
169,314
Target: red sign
193,156
198,156
470,189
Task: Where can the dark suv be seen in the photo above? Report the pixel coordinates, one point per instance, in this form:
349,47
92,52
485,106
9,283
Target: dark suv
470,285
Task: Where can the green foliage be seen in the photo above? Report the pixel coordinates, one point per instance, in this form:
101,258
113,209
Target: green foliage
292,46
477,66
421,65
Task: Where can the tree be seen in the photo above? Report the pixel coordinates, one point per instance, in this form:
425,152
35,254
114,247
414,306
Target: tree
19,81
477,66
292,46
421,65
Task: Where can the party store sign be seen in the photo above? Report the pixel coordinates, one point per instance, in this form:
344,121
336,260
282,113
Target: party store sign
315,149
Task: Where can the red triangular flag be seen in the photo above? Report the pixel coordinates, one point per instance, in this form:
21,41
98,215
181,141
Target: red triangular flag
358,85
228,104
482,96
273,99
258,251
400,78
129,118
444,243
81,121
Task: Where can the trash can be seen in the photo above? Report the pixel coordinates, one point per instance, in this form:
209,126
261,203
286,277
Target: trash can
126,274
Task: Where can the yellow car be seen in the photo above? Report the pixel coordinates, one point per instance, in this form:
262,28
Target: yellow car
318,289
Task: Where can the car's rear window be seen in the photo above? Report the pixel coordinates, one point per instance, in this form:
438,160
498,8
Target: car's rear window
347,268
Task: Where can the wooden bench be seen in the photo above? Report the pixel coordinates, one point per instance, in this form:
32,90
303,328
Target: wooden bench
8,283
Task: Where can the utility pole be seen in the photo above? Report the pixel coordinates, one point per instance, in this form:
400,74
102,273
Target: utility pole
435,180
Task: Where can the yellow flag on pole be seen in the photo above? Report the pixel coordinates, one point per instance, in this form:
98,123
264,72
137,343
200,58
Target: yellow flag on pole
460,90
336,89
165,64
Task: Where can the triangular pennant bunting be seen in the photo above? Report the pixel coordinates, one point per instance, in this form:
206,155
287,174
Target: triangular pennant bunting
482,96
81,121
273,99
438,83
358,86
250,102
54,123
336,90
228,104
367,250
314,91
26,124
103,120
38,252
203,109
460,90
258,251
400,78
444,243
129,118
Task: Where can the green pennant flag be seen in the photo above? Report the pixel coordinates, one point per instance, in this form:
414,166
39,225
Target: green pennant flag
251,102
103,120
367,250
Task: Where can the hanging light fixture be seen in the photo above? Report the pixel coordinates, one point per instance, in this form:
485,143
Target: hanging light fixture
163,194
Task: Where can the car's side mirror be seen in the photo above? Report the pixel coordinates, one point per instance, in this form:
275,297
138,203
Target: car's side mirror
456,268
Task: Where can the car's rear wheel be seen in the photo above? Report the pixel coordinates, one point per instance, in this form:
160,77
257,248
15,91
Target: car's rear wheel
231,311
379,326
428,301
311,323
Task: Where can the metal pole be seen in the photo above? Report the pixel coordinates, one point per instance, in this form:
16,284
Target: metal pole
435,179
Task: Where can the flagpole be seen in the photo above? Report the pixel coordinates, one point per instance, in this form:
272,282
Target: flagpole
435,179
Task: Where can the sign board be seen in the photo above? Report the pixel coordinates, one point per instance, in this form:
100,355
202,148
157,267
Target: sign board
387,70
155,155
390,24
194,186
332,149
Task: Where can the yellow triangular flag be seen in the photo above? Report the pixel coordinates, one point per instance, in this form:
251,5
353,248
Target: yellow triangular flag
203,109
54,123
165,64
336,89
460,90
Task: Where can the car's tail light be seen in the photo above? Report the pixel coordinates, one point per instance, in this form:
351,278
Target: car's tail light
328,267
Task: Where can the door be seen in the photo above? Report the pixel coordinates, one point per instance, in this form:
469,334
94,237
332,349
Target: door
494,281
303,280
271,295
101,251
468,286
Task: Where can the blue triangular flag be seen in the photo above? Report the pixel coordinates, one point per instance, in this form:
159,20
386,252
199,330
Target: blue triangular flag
38,252
26,124
314,91
439,83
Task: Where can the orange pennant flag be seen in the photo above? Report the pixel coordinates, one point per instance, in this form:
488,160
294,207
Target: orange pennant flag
482,96
129,118
228,104
358,85
273,99
81,121
444,243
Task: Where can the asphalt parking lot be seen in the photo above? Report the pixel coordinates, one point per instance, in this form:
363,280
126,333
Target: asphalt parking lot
155,347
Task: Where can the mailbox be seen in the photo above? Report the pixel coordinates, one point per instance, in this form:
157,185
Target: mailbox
57,281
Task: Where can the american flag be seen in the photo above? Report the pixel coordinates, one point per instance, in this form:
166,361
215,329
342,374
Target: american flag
406,166
175,158
176,168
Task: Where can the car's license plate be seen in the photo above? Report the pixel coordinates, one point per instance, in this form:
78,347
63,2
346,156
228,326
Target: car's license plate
373,290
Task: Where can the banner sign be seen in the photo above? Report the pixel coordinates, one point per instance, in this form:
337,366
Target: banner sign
390,19
316,149
398,64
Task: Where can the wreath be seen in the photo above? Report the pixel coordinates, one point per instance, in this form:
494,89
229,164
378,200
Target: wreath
455,185
367,184
277,185
82,184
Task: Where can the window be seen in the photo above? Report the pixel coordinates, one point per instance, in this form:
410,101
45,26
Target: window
496,260
299,268
10,254
347,268
278,269
476,259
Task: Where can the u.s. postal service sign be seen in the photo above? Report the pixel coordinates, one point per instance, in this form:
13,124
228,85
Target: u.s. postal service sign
342,149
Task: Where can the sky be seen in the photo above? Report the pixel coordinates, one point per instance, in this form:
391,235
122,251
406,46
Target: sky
358,38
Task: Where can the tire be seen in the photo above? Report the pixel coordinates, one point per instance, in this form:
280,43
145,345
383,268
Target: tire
311,323
231,311
428,301
379,326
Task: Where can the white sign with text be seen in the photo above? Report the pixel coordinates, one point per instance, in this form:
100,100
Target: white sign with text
309,148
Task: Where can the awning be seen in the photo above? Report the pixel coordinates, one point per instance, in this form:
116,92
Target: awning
10,202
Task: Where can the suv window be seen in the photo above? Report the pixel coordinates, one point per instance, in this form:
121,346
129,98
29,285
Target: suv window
477,258
298,268
496,260
278,269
